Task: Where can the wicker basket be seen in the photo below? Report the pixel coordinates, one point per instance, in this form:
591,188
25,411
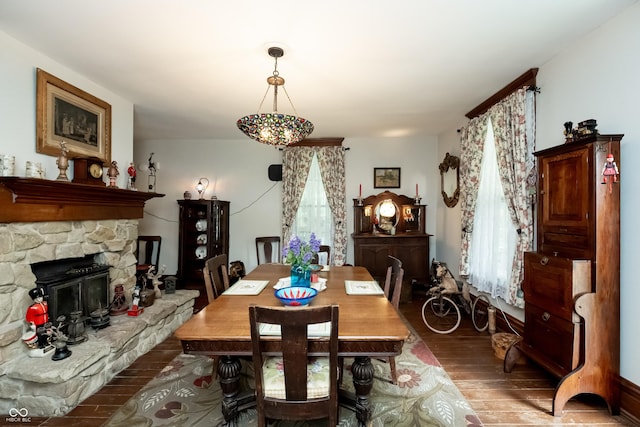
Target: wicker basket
501,343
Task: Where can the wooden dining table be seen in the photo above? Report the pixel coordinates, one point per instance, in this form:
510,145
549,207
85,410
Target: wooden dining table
369,326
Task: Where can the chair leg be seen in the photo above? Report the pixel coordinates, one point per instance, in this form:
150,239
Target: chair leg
214,371
392,366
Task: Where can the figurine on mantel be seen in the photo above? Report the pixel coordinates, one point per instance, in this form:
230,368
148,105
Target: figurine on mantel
63,162
132,176
113,173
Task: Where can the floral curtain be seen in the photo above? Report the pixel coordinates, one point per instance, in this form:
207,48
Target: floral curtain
295,169
331,161
513,121
472,147
515,141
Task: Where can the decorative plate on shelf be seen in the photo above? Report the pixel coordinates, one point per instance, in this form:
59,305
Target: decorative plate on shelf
201,239
201,225
201,252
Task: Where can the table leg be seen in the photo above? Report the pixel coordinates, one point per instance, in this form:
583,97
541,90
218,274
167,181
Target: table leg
362,371
229,374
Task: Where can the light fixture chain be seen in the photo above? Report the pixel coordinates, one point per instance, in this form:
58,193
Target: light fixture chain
275,98
290,102
263,98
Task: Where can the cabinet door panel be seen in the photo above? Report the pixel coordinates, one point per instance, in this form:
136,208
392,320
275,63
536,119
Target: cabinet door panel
564,209
415,258
374,258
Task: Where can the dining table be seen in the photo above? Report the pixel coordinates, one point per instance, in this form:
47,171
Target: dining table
369,326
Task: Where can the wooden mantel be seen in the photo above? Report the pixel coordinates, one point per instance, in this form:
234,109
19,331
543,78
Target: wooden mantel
38,200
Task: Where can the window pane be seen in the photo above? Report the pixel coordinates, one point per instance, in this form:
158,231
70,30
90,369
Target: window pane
314,214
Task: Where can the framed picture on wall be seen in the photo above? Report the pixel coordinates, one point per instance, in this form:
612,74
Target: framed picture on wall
67,113
386,177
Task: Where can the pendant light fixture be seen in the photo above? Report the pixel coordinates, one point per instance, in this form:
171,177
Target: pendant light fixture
275,128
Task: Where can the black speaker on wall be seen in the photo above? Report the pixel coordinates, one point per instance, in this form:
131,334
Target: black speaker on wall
275,172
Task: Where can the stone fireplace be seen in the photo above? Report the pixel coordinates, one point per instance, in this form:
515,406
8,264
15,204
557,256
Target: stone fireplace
43,221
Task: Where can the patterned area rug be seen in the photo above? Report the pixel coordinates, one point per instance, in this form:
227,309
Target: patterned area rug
185,394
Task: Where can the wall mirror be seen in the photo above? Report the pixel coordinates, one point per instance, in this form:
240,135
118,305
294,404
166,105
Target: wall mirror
387,216
450,180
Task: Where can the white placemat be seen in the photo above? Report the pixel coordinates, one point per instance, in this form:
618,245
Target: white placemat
363,287
246,287
314,330
285,282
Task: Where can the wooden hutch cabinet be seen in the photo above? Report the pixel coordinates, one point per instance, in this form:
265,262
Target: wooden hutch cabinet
571,284
401,234
204,233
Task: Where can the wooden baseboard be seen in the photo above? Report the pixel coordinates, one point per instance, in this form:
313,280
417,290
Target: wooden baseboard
630,400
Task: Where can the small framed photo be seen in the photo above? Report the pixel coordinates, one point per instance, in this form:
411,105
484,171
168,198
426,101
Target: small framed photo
386,177
66,113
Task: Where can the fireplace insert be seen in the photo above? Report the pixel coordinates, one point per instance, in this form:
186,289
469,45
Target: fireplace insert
73,284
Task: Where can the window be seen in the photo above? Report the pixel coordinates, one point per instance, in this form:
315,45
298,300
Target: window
495,237
314,214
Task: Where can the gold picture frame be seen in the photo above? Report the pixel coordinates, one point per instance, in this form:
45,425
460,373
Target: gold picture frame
67,113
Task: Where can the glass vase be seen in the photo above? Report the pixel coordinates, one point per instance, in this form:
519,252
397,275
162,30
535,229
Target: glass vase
300,276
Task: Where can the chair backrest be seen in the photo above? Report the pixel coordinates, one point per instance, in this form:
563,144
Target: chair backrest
268,249
393,281
319,258
295,351
216,276
148,251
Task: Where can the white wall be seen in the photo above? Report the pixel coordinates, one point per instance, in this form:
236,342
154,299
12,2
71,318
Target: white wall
18,65
596,78
448,219
240,169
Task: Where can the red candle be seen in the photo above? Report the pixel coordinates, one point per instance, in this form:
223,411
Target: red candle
416,190
360,193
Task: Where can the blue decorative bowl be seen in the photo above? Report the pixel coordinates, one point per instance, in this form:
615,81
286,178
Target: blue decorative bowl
296,296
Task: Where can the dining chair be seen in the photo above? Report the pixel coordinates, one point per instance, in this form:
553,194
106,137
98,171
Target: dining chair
393,291
291,382
216,276
268,249
323,256
148,253
216,281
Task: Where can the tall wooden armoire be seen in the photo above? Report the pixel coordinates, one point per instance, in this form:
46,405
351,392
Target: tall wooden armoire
572,283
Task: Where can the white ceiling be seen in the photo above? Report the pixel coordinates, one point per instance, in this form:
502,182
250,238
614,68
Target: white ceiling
365,68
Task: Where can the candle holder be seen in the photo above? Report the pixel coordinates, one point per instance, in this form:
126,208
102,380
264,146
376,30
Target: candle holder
359,201
416,200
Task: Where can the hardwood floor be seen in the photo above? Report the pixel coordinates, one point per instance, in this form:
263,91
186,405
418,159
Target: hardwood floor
521,398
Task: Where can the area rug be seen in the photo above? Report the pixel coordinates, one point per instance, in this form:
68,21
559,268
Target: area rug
186,394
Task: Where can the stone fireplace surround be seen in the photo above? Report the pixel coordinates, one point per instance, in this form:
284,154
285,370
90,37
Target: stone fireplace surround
53,388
